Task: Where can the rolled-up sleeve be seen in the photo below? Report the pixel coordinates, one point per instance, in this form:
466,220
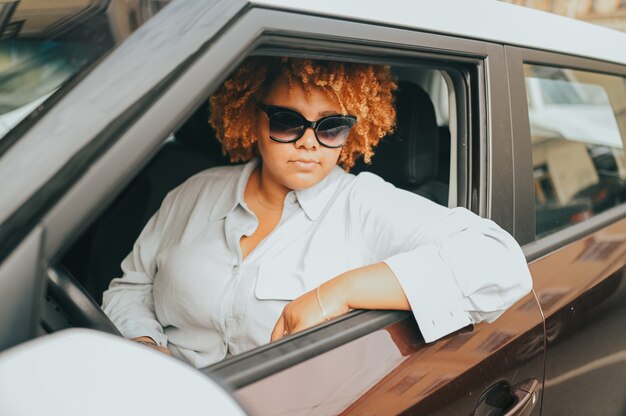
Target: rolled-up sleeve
129,301
455,267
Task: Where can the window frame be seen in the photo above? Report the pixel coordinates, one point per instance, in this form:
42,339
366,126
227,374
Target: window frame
486,182
516,58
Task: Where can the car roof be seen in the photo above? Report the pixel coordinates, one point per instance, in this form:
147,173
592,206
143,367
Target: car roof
488,20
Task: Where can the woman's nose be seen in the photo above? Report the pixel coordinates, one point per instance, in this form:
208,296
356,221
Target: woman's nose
308,140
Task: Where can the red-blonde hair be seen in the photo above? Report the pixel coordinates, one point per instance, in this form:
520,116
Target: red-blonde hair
363,90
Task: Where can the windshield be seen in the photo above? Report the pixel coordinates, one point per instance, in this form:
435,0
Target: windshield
44,44
30,71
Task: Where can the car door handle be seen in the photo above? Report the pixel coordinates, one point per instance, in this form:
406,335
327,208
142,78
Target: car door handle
505,400
526,396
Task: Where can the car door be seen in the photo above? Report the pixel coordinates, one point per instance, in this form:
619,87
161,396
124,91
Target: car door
572,139
368,361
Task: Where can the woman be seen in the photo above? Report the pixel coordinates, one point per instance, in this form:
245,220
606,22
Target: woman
240,255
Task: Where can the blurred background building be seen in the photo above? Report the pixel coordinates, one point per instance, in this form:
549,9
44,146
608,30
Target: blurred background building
609,13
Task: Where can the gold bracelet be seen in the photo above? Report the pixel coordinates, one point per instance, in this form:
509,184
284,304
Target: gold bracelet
319,302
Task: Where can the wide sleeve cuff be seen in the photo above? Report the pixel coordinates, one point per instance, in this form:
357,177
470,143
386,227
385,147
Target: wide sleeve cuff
432,292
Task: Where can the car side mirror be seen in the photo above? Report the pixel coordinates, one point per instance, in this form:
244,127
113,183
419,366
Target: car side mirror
82,371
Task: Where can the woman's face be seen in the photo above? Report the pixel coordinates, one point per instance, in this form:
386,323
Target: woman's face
305,162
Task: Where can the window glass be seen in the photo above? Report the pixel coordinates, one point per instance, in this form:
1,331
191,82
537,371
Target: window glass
30,71
578,133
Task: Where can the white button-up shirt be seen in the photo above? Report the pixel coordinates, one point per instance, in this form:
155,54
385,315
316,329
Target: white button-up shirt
186,286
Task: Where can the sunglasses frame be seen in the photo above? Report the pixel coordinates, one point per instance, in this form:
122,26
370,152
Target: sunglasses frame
270,110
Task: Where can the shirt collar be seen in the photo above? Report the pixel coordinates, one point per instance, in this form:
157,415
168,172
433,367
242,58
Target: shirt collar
313,200
233,191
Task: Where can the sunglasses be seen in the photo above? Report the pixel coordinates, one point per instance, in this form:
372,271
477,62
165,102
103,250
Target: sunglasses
288,126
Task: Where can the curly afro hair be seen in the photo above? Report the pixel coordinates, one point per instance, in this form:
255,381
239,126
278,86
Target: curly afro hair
363,90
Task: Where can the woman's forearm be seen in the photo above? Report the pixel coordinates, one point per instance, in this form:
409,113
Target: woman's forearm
369,287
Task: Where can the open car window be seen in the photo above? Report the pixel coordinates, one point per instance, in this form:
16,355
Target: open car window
193,148
423,96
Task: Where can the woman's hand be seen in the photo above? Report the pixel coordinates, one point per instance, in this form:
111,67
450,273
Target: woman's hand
306,311
149,342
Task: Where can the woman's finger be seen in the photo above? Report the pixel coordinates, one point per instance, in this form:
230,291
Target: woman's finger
279,329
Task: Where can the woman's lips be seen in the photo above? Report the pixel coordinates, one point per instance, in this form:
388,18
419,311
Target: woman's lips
305,164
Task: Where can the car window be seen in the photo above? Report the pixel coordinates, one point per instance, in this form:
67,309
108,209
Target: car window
578,133
44,45
96,257
193,148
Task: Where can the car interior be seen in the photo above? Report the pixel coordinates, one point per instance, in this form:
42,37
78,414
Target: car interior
416,157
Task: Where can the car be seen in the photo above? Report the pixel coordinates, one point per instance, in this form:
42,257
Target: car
515,114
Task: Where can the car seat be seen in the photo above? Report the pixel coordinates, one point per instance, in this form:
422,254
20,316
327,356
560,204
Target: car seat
410,157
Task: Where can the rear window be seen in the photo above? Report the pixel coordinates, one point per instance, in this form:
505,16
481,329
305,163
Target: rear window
578,133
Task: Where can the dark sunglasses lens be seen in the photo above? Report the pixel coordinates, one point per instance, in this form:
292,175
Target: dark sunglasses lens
286,126
334,131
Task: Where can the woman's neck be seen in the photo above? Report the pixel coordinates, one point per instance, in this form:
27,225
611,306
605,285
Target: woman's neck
270,193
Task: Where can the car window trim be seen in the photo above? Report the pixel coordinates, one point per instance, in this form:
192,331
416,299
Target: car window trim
516,58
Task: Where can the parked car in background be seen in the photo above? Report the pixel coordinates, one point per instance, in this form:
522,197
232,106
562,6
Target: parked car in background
518,115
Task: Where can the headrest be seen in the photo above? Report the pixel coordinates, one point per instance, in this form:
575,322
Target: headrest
410,156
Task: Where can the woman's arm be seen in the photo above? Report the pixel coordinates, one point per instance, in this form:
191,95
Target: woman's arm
369,287
129,300
452,267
